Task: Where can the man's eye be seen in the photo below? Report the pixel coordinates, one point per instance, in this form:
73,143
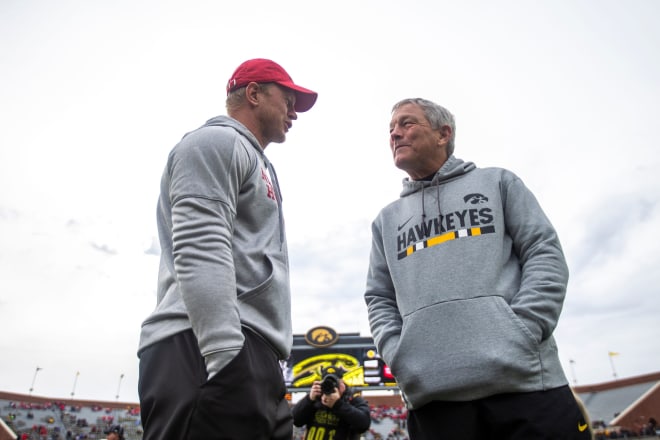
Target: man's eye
403,124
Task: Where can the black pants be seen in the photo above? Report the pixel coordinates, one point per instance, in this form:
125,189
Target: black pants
243,401
552,414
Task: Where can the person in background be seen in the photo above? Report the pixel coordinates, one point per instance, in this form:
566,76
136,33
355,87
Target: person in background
209,352
331,410
115,432
465,286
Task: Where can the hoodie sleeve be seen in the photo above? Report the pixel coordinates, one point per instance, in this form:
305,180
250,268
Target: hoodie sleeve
544,275
384,316
303,411
205,177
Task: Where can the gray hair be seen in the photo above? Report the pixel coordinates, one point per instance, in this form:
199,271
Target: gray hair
236,98
437,116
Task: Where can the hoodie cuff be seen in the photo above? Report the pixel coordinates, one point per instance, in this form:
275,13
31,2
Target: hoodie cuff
218,360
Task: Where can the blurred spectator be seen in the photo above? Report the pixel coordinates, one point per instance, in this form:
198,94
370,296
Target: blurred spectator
331,411
115,432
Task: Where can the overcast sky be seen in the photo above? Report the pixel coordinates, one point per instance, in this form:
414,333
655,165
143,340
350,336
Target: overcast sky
93,95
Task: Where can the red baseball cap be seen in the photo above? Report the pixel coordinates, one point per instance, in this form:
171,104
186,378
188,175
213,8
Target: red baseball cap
261,70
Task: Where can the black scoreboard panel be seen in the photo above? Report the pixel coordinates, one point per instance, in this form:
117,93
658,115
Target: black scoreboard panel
354,354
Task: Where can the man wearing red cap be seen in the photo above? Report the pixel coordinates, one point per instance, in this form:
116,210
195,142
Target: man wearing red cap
209,352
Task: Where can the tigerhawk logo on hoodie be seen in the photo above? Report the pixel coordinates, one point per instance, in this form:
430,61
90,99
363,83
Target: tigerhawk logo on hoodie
269,186
469,222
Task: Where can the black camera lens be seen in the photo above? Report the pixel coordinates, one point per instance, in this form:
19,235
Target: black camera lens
329,384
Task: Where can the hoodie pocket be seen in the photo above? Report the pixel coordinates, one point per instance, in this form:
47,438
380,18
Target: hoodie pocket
263,286
267,307
465,349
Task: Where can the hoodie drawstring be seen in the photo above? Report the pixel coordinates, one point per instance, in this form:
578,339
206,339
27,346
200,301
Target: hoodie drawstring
423,208
437,188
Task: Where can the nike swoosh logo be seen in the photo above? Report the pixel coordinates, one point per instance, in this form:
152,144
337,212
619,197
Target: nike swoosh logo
582,428
401,226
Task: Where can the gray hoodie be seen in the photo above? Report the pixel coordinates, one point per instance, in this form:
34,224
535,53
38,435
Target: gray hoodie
465,286
224,261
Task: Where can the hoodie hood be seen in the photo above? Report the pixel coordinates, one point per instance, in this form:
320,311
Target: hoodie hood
226,121
452,168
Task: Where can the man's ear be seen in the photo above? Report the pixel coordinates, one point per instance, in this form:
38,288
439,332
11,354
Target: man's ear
445,133
252,91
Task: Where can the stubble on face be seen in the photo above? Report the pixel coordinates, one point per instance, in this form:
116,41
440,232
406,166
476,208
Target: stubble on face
277,113
416,148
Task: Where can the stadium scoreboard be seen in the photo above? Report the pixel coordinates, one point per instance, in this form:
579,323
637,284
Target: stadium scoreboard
356,356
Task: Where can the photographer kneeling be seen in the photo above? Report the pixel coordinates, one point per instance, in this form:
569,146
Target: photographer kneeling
331,411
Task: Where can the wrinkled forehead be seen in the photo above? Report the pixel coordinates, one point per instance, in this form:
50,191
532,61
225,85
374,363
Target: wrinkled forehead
408,112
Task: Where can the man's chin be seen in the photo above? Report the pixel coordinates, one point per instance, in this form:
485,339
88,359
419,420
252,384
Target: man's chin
400,164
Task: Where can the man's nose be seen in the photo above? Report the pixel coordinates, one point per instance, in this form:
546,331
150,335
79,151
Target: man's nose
395,136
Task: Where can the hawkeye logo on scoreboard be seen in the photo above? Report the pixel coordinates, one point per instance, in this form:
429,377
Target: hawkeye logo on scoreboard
321,337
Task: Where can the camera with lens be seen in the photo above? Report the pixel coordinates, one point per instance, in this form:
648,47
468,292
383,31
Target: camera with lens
329,383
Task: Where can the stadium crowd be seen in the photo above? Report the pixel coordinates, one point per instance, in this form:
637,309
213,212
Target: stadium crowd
60,420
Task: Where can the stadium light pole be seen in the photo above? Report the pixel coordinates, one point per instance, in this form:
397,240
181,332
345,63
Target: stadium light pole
75,382
611,354
119,386
34,378
572,362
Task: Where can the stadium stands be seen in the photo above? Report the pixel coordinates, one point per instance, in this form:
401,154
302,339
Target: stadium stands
621,408
62,420
627,407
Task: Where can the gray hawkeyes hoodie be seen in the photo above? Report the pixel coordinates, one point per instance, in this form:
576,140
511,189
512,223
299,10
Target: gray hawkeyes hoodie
466,283
224,261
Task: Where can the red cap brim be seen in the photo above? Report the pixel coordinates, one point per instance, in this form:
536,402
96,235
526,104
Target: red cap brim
305,98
